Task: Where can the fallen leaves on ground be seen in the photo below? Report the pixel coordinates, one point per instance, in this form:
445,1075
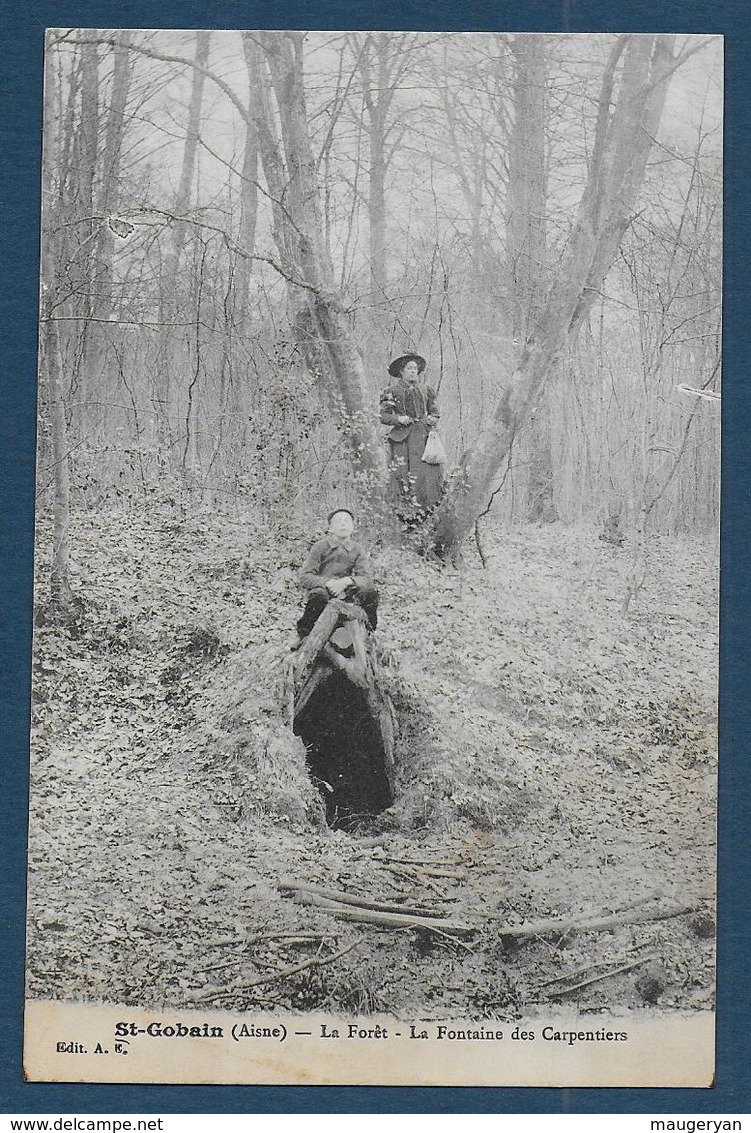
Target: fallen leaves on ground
560,752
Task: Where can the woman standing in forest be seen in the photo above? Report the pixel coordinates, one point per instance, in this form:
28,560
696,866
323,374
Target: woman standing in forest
411,409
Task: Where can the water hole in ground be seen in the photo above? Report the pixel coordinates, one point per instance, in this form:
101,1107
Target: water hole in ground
345,752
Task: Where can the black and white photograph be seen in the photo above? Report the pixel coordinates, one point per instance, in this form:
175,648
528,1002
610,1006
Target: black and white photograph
375,664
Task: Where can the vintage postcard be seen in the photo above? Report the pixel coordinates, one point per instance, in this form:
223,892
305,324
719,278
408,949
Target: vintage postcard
374,729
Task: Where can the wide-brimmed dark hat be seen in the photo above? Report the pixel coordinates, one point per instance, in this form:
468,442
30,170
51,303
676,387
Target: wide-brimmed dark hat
398,364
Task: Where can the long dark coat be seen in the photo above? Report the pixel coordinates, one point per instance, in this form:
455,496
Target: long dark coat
415,487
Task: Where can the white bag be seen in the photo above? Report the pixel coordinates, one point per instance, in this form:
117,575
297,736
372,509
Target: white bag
434,452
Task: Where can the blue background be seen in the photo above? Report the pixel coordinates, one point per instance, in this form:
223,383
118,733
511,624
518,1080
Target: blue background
20,136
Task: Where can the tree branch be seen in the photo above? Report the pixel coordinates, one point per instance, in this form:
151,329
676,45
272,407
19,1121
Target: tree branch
163,57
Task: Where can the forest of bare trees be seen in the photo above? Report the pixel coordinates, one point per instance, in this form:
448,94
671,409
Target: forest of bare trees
241,232
241,229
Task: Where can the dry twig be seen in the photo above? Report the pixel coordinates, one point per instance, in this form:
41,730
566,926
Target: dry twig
428,869
316,961
603,976
264,937
584,968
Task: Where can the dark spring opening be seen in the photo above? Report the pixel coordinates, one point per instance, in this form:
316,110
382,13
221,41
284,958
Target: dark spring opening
345,752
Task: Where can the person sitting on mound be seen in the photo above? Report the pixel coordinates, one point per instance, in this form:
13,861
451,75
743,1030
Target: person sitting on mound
337,567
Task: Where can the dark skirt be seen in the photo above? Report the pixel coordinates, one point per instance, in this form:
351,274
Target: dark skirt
415,488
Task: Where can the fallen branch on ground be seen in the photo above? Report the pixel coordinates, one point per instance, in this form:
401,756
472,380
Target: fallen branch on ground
263,937
381,853
383,919
417,867
407,873
563,926
655,895
603,976
589,967
316,961
340,896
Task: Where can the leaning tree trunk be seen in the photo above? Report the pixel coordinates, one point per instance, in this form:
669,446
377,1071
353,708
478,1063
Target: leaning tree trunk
622,145
344,377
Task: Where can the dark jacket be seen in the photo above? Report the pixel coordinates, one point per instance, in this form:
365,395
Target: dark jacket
330,558
403,399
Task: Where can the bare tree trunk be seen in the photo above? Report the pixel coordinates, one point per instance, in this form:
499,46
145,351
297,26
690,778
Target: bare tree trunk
526,243
188,170
84,171
60,591
622,146
382,59
88,131
330,338
286,232
299,234
109,193
378,238
49,342
168,302
248,191
61,597
471,180
377,98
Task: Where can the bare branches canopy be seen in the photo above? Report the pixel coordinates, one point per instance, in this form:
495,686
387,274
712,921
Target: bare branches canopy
241,229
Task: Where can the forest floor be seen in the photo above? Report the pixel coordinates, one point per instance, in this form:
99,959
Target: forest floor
556,758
